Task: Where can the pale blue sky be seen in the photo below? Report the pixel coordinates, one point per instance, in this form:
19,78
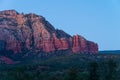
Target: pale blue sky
96,20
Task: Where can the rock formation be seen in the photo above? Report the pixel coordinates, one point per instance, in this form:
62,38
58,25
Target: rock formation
21,33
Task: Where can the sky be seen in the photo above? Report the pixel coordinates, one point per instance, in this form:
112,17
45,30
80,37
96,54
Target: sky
96,20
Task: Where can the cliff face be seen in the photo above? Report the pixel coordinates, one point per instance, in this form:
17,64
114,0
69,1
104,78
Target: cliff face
20,33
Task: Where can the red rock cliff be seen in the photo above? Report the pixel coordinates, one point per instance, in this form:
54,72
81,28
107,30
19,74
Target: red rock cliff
23,32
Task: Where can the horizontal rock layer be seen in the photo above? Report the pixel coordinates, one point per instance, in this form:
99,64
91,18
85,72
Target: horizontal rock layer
20,33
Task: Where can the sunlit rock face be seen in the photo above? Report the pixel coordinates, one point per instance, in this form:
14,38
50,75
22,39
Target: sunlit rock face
24,32
80,44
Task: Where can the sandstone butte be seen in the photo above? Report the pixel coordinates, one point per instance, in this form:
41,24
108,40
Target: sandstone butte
24,32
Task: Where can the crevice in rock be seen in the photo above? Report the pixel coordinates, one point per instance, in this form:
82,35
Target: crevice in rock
29,23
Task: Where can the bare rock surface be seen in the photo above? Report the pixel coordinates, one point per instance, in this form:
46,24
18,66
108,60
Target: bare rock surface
21,33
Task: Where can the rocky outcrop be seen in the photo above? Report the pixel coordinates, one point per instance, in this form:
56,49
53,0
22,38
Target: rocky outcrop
21,33
6,60
80,44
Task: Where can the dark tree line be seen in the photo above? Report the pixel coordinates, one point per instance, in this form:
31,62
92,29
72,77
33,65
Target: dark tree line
95,71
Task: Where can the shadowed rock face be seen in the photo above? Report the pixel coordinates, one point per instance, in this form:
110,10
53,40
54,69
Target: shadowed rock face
23,32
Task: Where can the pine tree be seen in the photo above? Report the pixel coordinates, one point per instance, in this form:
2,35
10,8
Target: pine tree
93,71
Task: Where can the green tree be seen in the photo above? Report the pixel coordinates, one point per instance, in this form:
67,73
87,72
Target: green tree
72,74
83,76
93,71
20,73
111,70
